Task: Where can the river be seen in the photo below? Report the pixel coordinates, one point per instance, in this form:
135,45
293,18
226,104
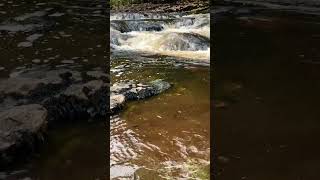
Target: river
166,136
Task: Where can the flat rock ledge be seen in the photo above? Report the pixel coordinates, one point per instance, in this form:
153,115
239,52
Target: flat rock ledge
35,99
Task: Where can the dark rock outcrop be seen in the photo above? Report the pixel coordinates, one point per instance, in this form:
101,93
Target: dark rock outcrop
34,98
126,91
79,101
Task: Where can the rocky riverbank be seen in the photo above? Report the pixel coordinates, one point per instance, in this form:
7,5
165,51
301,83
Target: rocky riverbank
191,6
35,99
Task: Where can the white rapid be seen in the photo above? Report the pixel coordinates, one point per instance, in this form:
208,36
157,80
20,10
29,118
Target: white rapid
181,37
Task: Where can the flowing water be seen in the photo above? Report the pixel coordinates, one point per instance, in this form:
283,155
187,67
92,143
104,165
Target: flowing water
57,33
266,94
166,136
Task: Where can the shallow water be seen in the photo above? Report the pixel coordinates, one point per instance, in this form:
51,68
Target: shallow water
266,94
166,136
57,33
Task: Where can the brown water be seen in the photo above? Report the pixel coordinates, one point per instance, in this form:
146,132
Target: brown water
167,136
266,120
72,34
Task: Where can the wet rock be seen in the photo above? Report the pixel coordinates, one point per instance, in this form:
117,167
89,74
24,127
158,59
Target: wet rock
25,44
29,40
79,101
33,37
34,98
21,128
31,99
184,42
33,83
121,26
125,91
30,15
98,74
127,26
36,61
116,102
122,87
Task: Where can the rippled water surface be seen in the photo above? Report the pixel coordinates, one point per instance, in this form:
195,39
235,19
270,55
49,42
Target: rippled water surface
166,136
